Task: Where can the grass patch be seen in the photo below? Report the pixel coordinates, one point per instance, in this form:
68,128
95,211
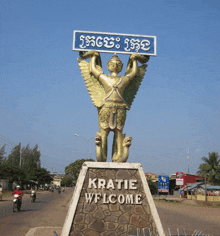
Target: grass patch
168,201
6,193
216,205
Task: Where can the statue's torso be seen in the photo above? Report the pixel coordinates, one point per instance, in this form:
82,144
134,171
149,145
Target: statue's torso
113,113
114,88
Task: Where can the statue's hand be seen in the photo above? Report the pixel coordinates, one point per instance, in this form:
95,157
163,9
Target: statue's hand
86,55
141,58
134,56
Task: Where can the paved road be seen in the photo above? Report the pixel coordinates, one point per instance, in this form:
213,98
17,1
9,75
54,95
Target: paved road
188,217
50,209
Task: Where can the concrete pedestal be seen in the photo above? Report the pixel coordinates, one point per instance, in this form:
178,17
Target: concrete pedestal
112,199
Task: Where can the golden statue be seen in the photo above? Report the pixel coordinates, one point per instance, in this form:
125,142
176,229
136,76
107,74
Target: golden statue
112,95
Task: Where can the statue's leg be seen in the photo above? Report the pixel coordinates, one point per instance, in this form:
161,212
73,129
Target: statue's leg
104,136
119,136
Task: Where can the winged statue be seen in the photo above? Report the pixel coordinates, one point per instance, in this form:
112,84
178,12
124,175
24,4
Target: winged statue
113,96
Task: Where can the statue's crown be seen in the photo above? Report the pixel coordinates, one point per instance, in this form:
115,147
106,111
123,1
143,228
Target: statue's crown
114,58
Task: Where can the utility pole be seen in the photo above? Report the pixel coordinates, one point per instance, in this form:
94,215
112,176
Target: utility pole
205,189
87,140
188,160
20,163
20,156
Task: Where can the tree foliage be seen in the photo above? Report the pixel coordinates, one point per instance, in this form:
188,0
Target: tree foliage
14,157
23,165
30,161
210,168
42,176
2,154
73,169
66,180
10,173
153,186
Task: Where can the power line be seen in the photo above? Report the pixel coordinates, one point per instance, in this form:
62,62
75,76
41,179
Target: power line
7,140
9,145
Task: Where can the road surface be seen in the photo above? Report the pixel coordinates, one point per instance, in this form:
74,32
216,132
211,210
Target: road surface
50,209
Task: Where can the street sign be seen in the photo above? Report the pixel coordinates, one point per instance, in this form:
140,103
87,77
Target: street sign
179,181
114,43
179,174
180,178
163,184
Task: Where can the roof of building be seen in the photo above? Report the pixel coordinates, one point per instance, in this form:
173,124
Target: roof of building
150,173
202,185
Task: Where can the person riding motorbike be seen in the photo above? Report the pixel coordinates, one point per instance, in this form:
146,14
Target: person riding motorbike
20,193
33,195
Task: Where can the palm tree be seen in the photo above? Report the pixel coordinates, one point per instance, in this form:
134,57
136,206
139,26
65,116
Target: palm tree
210,168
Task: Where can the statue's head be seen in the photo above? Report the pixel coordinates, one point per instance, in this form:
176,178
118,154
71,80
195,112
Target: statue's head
115,64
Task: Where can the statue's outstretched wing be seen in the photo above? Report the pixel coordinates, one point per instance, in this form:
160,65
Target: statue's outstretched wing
132,88
93,85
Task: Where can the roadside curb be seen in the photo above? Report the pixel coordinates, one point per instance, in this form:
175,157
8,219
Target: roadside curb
44,231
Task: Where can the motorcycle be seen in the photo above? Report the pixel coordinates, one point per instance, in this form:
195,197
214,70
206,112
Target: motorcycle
33,196
59,190
16,203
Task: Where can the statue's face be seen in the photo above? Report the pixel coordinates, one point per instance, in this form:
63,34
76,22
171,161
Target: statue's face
115,66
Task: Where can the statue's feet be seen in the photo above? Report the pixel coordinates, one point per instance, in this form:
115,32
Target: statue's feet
127,141
99,152
124,156
115,158
98,139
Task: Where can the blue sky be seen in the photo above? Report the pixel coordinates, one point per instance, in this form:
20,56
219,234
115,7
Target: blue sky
44,100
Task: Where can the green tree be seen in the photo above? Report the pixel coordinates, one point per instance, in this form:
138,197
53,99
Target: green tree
14,156
2,154
66,180
73,169
21,164
11,173
42,176
153,186
30,161
210,168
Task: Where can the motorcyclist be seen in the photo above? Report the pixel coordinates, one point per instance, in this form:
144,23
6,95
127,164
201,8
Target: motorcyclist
33,194
19,192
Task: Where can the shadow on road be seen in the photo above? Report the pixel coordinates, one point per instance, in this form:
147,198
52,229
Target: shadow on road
27,210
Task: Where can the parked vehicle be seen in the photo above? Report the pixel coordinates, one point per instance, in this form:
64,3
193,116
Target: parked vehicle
33,196
17,202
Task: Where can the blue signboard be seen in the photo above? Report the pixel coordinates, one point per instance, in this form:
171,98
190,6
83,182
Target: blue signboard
163,183
114,43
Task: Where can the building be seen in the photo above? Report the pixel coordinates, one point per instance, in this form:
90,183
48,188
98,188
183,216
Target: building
56,180
151,176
